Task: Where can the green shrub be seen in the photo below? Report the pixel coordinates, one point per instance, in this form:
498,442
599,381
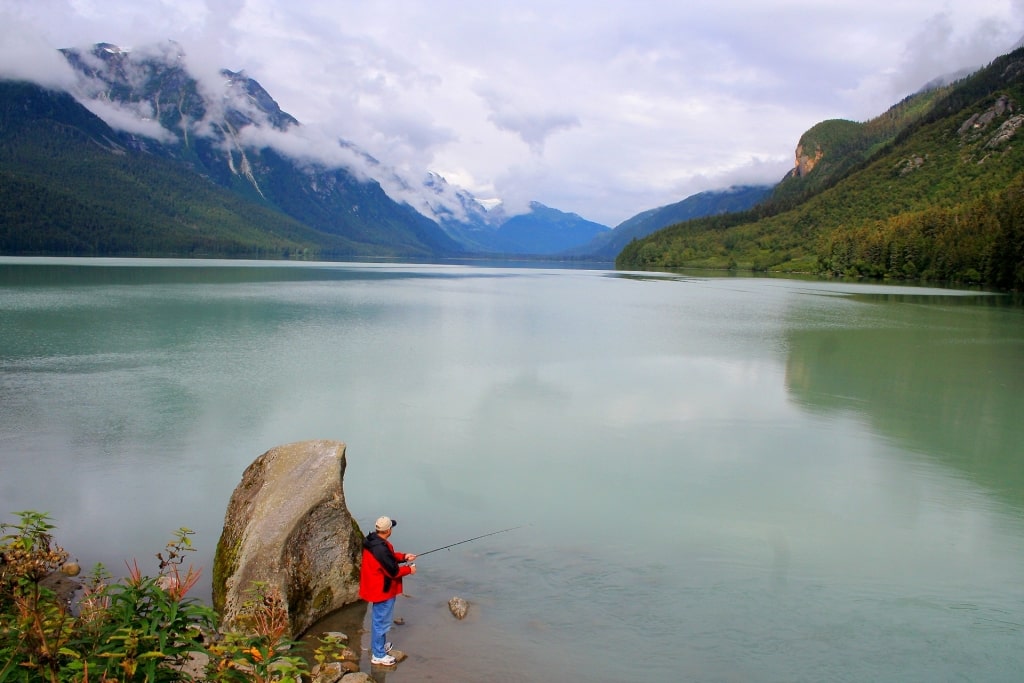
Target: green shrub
141,628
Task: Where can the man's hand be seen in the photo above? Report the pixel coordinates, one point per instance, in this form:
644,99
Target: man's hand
410,557
413,568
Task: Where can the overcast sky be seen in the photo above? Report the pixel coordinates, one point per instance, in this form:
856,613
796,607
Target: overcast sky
604,109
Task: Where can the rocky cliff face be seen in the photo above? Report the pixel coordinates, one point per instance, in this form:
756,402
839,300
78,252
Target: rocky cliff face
977,125
287,526
227,128
806,161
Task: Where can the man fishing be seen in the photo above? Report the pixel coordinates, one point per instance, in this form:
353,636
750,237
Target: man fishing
380,582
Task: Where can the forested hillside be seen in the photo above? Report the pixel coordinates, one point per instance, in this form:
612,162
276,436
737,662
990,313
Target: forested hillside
190,184
68,186
608,244
219,169
932,190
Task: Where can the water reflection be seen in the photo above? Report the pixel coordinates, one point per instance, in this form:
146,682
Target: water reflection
86,272
942,378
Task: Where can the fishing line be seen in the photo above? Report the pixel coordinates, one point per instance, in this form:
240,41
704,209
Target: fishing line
475,538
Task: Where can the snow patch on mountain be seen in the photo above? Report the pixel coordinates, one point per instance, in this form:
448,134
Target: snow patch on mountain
156,93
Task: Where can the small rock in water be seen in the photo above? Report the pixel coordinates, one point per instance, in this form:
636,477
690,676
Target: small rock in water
329,672
61,584
335,638
399,621
458,607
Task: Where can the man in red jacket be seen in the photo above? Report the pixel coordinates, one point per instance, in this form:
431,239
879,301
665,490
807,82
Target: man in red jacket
380,582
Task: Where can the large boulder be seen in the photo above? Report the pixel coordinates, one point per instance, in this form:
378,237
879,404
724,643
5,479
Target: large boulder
287,526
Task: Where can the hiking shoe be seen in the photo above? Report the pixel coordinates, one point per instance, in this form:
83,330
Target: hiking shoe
386,660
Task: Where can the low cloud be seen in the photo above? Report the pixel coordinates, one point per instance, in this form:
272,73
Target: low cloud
940,48
756,171
319,152
613,109
533,125
25,56
307,147
127,118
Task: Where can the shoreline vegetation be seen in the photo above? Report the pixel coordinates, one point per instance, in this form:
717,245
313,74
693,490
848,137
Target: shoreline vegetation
140,628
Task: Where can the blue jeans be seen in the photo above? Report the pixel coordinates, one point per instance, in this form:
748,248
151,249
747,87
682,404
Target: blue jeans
380,623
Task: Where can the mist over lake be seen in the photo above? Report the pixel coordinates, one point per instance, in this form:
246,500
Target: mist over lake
716,478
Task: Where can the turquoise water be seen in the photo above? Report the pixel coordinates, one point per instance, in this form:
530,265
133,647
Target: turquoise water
718,479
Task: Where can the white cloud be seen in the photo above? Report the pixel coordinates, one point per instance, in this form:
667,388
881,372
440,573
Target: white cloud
532,127
310,146
26,56
129,119
602,109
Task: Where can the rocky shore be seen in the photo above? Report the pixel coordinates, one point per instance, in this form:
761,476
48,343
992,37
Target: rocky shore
287,528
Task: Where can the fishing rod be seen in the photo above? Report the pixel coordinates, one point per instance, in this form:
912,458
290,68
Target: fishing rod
475,538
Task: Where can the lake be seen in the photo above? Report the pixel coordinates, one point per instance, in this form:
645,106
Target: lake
715,478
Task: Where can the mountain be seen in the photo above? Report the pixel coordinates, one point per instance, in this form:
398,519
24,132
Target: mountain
233,132
932,190
138,119
607,245
466,220
543,230
187,172
850,143
71,185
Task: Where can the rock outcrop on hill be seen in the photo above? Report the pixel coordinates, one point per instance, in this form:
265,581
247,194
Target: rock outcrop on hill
288,527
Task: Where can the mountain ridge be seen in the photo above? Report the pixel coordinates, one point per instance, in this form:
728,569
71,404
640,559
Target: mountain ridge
69,185
233,136
234,133
228,172
607,245
937,197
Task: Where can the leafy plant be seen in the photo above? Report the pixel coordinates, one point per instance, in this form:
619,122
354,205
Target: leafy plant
139,629
257,653
36,625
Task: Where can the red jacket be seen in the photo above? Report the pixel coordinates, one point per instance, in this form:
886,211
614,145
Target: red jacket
380,577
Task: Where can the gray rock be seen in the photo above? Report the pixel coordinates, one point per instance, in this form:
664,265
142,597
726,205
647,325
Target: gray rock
62,584
357,677
287,526
329,672
458,607
194,666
